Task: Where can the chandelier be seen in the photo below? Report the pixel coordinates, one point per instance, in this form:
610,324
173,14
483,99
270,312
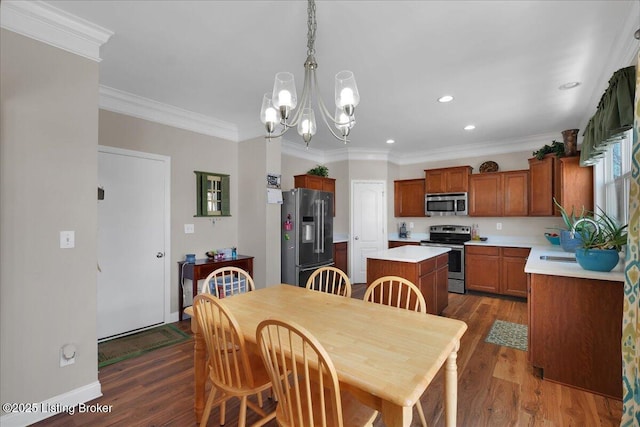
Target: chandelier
278,107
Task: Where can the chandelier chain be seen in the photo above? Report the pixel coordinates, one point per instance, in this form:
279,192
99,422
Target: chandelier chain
311,28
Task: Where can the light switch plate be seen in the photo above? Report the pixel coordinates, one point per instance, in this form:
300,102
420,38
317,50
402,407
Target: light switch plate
67,239
189,229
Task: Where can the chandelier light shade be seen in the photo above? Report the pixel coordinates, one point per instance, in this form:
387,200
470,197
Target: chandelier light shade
279,114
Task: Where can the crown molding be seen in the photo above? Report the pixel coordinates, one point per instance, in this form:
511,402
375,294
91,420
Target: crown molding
533,142
48,24
143,108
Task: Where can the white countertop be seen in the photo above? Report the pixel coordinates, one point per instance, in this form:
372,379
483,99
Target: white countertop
511,241
340,237
409,253
567,269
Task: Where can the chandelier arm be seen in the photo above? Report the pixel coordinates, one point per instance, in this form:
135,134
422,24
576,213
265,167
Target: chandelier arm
324,112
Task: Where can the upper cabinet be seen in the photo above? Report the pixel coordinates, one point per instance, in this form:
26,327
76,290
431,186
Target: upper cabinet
315,182
562,178
498,194
408,197
447,180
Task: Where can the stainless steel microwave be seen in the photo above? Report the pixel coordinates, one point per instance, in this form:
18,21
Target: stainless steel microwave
441,204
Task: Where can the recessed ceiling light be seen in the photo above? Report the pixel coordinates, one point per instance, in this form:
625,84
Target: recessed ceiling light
469,127
390,141
569,85
445,98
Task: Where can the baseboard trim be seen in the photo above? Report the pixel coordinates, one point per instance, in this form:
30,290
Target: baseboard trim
50,407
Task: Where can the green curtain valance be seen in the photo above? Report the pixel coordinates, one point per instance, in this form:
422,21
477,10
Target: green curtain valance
613,116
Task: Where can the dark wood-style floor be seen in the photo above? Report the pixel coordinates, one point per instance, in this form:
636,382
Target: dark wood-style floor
496,384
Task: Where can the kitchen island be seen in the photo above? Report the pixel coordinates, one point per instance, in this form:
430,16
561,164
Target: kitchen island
424,266
575,322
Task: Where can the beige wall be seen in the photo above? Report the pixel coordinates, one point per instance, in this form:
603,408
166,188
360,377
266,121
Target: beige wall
48,163
189,151
259,221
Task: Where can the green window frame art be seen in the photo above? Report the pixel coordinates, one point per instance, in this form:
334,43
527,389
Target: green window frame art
212,194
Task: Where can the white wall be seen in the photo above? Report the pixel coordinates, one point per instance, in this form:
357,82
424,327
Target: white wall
48,163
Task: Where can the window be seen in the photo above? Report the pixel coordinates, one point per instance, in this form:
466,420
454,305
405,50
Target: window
613,179
212,194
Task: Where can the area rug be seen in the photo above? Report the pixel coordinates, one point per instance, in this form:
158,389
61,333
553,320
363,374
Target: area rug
119,349
508,334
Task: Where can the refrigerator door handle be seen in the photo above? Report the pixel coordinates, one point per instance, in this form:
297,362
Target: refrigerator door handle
322,213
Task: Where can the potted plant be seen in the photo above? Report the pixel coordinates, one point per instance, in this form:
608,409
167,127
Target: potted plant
319,170
600,248
570,242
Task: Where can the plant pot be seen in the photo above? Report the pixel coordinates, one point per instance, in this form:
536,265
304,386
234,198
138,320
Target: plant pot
568,243
597,259
570,138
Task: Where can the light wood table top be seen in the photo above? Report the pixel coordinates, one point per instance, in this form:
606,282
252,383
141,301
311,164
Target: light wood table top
386,356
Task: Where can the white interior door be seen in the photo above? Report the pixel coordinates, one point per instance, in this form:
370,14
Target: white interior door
131,241
368,225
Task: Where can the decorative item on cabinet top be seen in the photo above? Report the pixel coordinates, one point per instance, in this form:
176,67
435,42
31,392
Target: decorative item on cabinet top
489,166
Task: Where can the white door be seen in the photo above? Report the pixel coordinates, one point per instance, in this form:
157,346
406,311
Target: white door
131,241
368,225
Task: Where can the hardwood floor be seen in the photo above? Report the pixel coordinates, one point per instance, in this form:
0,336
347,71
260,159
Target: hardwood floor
496,385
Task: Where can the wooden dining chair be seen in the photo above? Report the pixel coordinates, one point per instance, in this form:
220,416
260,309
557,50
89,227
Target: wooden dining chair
227,281
398,292
233,373
331,280
305,381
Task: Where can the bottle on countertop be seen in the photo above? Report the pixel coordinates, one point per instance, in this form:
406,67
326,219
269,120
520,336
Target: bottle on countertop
475,233
234,253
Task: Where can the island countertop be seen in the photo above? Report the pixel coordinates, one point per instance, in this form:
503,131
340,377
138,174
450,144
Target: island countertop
409,253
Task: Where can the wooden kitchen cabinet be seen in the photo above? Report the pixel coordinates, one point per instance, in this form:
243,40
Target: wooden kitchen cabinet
562,178
482,268
408,197
315,182
575,332
499,194
447,180
497,270
514,279
340,256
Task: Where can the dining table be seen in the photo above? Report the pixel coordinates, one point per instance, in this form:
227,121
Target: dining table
385,356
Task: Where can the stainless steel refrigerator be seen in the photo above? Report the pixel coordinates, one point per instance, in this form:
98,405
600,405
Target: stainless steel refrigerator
307,233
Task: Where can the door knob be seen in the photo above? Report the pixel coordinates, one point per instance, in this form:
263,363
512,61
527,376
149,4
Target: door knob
159,255
356,238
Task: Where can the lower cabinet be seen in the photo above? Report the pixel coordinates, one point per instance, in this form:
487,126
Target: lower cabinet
340,256
575,332
497,270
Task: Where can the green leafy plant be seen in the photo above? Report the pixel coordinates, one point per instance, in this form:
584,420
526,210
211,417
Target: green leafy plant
608,235
556,148
570,218
319,171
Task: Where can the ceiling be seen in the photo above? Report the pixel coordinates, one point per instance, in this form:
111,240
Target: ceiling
503,61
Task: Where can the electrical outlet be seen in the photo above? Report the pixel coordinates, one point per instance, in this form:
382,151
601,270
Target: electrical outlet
67,355
189,229
498,226
410,226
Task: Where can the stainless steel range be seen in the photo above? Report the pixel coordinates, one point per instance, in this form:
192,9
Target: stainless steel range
453,237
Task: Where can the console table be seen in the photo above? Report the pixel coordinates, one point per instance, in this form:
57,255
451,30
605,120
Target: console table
202,268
